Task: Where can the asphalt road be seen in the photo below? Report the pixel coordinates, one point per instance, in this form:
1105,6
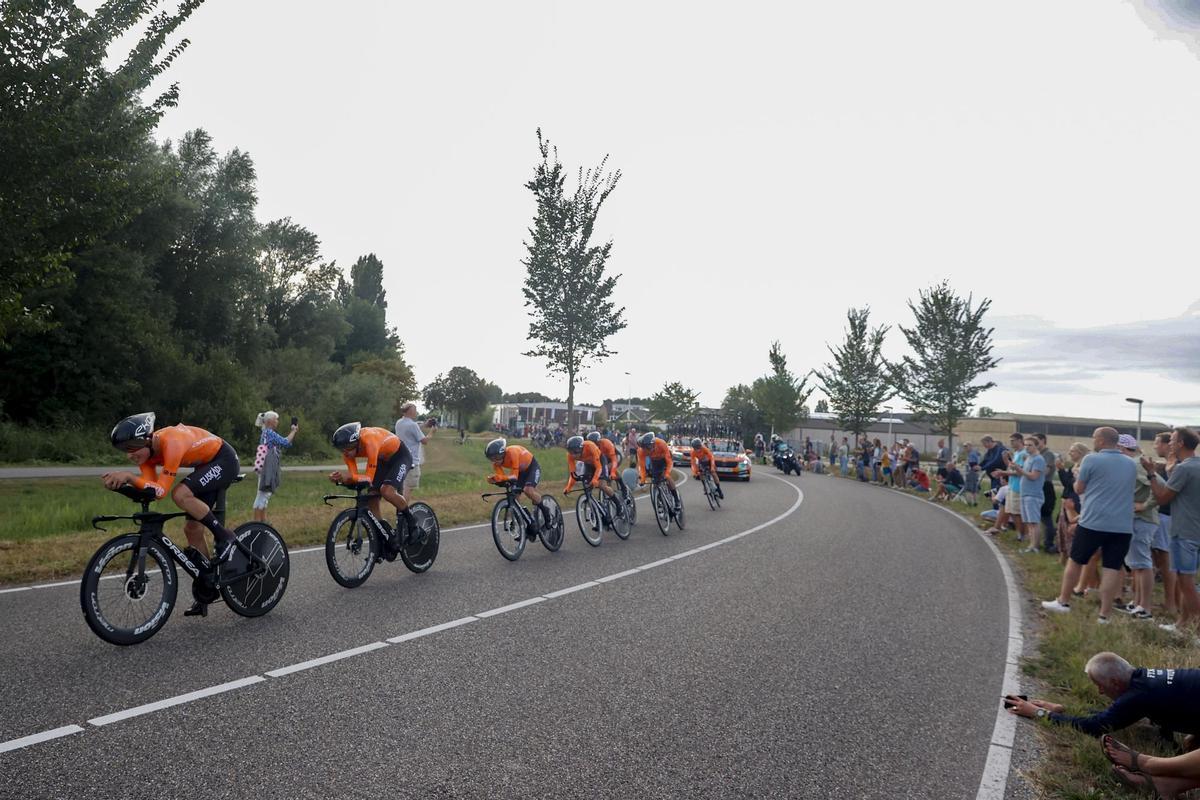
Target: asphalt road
852,648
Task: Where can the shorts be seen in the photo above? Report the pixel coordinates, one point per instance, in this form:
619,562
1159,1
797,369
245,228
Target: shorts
1112,547
1185,555
1138,556
1012,503
972,480
414,477
1031,508
950,487
887,470
1162,538
658,469
606,469
394,470
261,499
531,476
209,479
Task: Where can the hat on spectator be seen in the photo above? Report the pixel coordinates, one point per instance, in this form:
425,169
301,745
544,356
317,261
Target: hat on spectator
1127,442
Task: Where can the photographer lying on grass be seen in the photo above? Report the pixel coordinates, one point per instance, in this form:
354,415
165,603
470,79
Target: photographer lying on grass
1169,698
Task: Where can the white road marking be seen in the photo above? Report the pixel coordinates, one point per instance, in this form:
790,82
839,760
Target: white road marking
570,589
618,575
445,626
59,583
654,564
38,738
511,607
137,711
316,662
16,589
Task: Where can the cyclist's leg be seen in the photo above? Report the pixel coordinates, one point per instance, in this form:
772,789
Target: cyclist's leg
196,493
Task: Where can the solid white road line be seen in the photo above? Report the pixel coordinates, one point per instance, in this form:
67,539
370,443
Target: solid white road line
108,719
511,607
654,564
994,782
38,738
570,589
16,589
618,575
316,662
445,626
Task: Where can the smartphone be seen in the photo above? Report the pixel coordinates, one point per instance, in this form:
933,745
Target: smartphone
1009,703
295,420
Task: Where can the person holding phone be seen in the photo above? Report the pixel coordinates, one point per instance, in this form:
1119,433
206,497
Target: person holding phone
266,461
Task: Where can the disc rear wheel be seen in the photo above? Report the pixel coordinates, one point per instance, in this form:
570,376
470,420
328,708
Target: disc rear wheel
265,578
420,554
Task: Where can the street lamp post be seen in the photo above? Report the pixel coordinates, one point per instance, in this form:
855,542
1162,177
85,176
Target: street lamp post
1139,424
889,413
629,397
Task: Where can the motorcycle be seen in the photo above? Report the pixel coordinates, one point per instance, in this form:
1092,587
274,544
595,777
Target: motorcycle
786,461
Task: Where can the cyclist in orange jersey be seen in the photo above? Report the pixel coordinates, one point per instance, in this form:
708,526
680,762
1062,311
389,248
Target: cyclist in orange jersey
608,456
658,453
214,466
511,462
388,462
585,465
702,457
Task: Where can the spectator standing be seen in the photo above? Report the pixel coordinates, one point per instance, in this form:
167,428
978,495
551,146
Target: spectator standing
992,460
1161,549
1049,499
631,437
270,473
1182,491
844,456
1031,471
760,448
1105,484
1012,506
943,454
876,456
971,476
410,433
1145,526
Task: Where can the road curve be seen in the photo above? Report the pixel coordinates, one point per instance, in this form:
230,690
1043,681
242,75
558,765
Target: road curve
850,648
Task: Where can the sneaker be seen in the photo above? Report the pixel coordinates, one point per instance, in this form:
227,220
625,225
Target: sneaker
1142,613
1119,605
1101,620
1033,549
198,609
1169,627
1054,605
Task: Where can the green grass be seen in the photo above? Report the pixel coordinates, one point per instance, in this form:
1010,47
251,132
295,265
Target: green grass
46,533
1074,766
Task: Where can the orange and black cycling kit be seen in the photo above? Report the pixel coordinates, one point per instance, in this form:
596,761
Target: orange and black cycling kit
702,455
659,455
609,451
590,458
517,459
183,446
376,445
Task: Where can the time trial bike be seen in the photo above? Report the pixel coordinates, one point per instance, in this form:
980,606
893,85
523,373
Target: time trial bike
594,514
512,523
662,500
358,540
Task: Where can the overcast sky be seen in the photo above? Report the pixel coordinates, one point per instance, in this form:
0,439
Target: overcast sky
782,161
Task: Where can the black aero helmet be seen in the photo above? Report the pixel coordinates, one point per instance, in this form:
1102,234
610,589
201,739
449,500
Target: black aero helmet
133,431
646,440
594,436
696,444
575,444
495,448
346,436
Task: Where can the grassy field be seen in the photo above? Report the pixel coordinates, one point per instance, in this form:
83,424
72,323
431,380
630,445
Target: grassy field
45,530
1074,766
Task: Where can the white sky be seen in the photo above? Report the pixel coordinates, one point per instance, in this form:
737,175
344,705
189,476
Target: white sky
782,161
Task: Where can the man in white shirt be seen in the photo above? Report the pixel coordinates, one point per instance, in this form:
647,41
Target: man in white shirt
414,438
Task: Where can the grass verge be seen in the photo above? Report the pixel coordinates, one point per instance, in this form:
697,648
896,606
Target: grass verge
1074,766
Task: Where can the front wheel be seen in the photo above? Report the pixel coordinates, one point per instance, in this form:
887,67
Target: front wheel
591,527
121,604
710,494
351,549
508,530
419,556
262,585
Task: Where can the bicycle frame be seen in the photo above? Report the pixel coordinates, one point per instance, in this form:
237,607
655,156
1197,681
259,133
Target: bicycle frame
362,503
511,493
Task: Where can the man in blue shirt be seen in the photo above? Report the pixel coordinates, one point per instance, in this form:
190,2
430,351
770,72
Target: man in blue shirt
1031,469
1105,484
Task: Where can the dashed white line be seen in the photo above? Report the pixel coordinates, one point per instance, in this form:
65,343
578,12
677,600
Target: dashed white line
570,589
316,662
445,626
108,719
511,607
16,589
38,738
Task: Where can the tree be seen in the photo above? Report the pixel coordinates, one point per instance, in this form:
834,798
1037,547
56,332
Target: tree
739,404
493,393
73,137
984,412
460,390
951,348
365,304
857,379
568,294
527,397
674,401
822,406
779,396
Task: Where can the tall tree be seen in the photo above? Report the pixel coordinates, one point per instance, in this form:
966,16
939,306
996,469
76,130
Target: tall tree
567,290
460,390
857,381
822,406
951,348
673,402
739,404
779,396
366,312
73,134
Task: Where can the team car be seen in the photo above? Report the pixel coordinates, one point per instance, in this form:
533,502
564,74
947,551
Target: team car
732,465
681,455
